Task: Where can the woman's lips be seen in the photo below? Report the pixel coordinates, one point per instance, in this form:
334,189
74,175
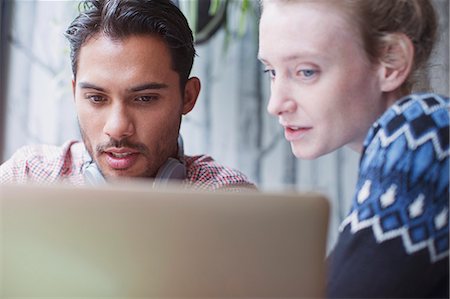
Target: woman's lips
293,133
121,160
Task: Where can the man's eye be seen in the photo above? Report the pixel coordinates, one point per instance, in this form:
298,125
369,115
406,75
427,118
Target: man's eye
146,99
95,98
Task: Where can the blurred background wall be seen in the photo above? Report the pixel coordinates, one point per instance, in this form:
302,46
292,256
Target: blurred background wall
229,122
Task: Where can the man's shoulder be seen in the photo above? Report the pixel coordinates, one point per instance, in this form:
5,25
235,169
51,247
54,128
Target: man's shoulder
44,151
203,172
42,162
48,153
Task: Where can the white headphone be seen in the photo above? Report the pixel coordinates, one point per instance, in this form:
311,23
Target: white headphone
172,169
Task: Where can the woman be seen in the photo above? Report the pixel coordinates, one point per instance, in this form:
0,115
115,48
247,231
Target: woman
341,74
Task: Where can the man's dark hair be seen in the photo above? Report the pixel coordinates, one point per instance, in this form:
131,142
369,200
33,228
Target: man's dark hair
119,19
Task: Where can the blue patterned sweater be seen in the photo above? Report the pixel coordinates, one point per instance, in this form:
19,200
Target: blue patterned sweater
394,243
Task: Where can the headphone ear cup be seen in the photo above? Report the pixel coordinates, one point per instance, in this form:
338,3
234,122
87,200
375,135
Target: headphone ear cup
93,175
173,169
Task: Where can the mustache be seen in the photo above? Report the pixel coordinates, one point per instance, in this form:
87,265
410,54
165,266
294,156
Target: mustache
102,147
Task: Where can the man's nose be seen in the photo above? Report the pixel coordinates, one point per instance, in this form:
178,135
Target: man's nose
119,123
281,98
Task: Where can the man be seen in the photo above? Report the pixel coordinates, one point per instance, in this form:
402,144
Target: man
131,62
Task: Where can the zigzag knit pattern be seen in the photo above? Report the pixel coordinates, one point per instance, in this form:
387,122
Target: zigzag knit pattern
403,185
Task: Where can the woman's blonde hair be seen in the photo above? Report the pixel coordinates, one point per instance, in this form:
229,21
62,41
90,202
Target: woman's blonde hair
378,20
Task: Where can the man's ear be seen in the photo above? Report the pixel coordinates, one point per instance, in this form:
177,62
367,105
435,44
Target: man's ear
191,92
396,61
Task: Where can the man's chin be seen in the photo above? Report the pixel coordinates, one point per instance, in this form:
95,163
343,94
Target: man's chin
120,179
119,174
123,174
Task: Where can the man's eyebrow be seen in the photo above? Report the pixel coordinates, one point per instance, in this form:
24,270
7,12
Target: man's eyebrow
86,85
153,85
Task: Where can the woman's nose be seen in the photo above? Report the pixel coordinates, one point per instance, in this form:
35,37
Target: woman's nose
281,98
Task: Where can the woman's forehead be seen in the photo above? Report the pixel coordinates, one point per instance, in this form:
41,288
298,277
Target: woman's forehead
317,15
305,28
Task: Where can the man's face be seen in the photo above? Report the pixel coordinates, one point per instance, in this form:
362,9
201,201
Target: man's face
129,104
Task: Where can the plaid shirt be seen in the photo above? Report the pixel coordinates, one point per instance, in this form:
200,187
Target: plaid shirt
44,164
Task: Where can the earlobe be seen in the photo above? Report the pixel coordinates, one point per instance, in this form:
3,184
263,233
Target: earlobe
396,61
191,92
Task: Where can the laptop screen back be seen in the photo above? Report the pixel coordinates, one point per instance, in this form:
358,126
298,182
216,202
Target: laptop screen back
127,242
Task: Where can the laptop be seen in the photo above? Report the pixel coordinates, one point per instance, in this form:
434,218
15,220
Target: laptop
134,242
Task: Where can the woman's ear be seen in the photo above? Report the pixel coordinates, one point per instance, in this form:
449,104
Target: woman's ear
191,92
73,87
396,61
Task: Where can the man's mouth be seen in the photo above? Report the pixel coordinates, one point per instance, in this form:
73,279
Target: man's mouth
121,159
119,155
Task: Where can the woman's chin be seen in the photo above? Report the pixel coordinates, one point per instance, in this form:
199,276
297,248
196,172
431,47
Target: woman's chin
306,153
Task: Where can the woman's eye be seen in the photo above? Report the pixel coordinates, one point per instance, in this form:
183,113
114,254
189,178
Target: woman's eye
308,73
270,72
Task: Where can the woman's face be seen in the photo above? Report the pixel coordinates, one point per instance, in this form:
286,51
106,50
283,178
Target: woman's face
324,90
